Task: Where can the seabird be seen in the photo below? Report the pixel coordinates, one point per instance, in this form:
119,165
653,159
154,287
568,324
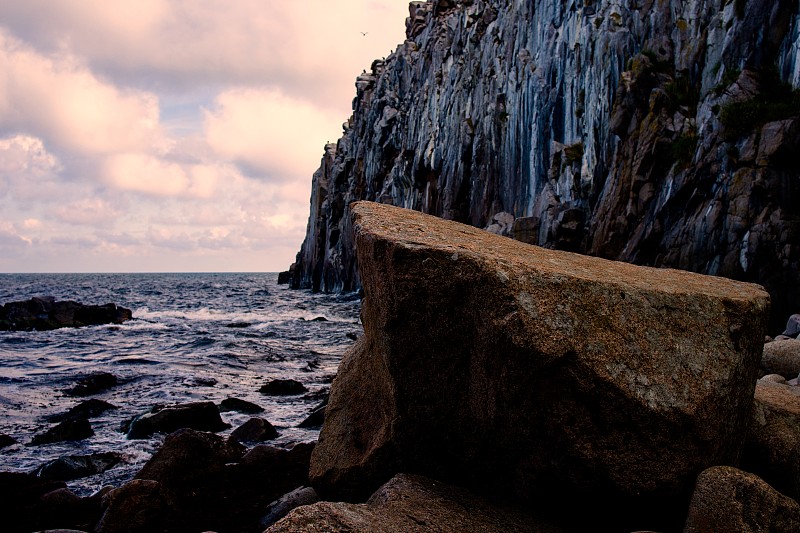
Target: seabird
364,33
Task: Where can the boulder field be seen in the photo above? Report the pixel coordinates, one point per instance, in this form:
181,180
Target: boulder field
537,376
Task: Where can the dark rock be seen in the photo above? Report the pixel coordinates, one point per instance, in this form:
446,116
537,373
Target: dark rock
543,374
201,416
772,448
415,503
316,417
255,430
352,336
282,387
792,326
782,357
46,313
70,429
5,440
92,384
239,325
86,409
140,506
242,406
319,319
284,277
727,499
78,466
20,500
281,507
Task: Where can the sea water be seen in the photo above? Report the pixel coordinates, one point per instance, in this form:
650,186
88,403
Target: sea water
193,337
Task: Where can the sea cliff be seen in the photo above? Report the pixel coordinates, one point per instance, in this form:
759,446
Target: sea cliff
654,132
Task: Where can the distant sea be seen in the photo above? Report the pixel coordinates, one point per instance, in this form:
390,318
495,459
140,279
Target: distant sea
193,337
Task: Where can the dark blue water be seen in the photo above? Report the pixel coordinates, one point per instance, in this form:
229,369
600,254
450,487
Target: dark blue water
178,348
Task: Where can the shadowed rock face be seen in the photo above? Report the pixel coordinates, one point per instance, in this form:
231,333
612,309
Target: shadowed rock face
46,313
606,127
508,366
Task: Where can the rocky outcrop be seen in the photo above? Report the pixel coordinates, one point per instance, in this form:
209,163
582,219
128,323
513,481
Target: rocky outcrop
413,503
46,313
657,133
511,367
201,416
727,499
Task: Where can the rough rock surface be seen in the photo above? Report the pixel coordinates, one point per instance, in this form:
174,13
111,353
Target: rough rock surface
86,409
92,384
782,357
412,503
283,505
69,429
255,430
772,449
500,364
140,506
727,499
202,416
657,133
77,466
46,313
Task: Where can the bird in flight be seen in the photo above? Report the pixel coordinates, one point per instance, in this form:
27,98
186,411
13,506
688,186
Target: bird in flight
364,33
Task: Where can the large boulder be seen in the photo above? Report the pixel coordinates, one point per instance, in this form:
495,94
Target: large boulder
782,357
728,499
139,506
772,448
201,416
498,364
44,313
412,503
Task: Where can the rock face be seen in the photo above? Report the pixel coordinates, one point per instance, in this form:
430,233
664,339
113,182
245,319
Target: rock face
412,503
502,365
657,133
46,313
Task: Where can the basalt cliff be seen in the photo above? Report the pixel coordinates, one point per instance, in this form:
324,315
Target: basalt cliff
657,132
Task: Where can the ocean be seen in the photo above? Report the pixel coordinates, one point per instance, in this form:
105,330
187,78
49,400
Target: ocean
193,337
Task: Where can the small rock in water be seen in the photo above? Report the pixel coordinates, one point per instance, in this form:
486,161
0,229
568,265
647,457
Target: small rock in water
5,440
239,325
319,319
201,416
316,417
86,409
255,430
239,405
78,466
92,384
792,326
283,387
70,429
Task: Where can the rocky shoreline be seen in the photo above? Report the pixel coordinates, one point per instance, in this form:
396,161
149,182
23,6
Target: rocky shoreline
497,387
45,313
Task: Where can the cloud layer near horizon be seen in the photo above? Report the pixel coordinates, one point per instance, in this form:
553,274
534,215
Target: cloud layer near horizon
157,135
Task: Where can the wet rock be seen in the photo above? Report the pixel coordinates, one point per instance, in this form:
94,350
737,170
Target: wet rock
255,430
283,505
242,406
511,367
78,466
201,416
772,449
6,440
46,313
283,387
92,384
239,325
284,277
316,417
414,503
782,357
728,499
20,500
319,319
140,506
70,429
792,326
86,409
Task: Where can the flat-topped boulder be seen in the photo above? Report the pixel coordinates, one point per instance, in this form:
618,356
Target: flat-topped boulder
504,366
45,313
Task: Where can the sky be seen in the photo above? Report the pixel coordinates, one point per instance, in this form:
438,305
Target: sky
173,135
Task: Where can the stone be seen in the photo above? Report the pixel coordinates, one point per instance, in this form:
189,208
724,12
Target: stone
792,326
6,440
92,384
283,505
68,430
201,416
86,409
242,406
506,366
782,357
284,277
413,503
728,499
72,467
255,430
139,506
316,417
45,313
283,387
773,378
20,500
772,448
